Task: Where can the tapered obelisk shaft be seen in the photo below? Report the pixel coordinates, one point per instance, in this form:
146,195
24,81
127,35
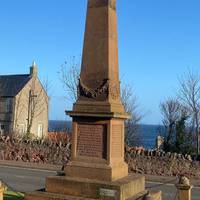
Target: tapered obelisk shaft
99,78
100,52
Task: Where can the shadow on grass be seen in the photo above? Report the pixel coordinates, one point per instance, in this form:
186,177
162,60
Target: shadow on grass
13,196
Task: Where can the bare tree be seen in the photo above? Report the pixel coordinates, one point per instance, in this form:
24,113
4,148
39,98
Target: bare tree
130,102
171,112
47,85
189,95
69,75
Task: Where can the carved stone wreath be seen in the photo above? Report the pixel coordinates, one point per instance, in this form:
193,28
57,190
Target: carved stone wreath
114,91
83,90
107,87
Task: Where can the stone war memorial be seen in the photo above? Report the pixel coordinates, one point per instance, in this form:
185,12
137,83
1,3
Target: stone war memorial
97,169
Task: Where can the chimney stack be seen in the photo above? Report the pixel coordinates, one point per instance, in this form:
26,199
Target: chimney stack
34,69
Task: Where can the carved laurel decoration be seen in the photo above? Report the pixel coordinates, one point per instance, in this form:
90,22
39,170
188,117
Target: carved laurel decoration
93,93
114,91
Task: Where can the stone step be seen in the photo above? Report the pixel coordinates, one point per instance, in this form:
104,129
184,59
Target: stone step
154,195
51,196
139,196
121,189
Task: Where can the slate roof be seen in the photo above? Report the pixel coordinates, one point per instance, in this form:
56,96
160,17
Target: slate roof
10,85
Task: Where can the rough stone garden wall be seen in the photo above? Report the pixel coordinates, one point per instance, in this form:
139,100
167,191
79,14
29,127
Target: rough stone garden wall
37,151
139,160
161,163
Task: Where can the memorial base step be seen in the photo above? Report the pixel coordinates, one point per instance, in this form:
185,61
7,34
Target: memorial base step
52,196
69,188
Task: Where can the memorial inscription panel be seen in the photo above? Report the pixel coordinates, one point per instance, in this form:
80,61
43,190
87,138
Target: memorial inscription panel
91,140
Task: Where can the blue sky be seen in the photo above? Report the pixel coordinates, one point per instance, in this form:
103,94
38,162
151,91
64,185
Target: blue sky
158,41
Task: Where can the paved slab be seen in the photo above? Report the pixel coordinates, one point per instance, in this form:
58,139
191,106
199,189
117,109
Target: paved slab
23,179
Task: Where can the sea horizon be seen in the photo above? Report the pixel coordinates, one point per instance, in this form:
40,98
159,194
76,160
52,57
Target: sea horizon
147,133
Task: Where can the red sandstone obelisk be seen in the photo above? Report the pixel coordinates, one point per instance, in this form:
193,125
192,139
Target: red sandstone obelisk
97,169
98,115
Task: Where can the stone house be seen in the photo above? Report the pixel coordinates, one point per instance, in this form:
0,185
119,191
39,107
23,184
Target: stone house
23,105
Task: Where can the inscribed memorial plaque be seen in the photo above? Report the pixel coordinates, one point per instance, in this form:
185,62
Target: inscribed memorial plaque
91,140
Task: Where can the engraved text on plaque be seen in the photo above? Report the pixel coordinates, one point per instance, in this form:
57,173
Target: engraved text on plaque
91,140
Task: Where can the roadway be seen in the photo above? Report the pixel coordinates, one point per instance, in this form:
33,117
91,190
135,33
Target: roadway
25,180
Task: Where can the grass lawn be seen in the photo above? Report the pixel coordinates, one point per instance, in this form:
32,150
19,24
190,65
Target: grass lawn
9,195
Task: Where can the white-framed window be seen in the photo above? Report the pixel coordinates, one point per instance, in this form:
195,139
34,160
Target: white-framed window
40,130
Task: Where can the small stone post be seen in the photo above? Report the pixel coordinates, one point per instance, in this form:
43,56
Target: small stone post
1,191
184,189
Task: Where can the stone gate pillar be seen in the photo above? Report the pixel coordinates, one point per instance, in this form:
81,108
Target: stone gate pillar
184,189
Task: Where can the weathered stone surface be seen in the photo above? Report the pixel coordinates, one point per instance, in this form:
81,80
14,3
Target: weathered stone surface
63,188
172,164
106,163
35,151
154,196
99,86
139,196
121,189
98,114
51,196
102,3
91,140
184,188
97,168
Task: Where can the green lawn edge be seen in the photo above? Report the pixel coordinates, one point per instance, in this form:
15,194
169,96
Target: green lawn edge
10,195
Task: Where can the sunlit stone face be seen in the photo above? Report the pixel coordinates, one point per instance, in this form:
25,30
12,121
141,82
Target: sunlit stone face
102,3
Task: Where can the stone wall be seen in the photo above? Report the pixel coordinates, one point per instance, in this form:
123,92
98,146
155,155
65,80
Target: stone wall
161,163
38,151
139,160
59,136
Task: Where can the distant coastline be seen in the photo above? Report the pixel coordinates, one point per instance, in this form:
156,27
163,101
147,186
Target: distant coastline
147,133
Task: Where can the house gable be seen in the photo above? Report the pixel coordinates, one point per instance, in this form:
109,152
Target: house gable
31,94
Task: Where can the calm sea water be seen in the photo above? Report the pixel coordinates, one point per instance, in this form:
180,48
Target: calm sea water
147,133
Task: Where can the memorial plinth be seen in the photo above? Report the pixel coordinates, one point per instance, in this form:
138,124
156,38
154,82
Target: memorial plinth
97,169
65,188
97,149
